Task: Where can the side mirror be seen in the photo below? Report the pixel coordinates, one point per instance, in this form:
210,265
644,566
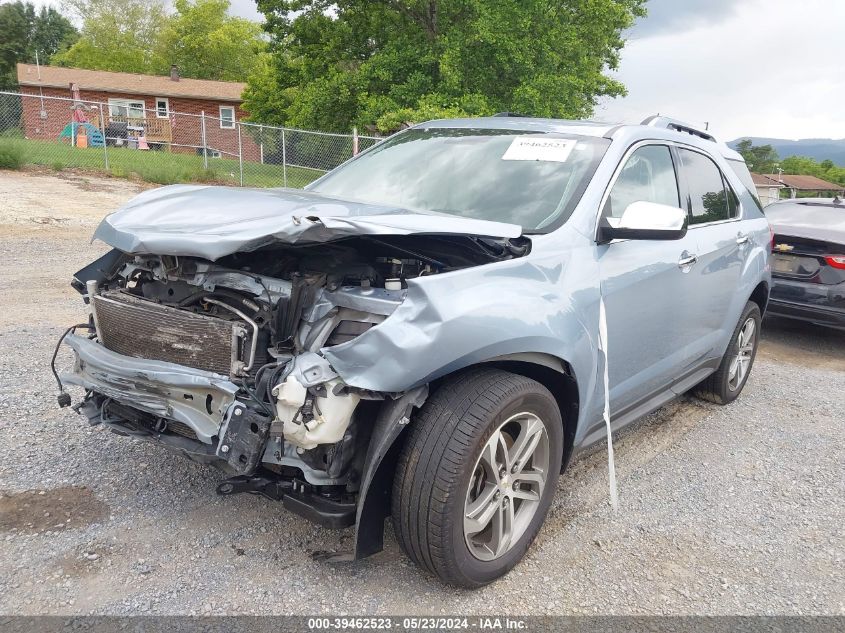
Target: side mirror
643,220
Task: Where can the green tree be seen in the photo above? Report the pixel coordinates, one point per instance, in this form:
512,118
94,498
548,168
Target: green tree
206,43
141,36
26,31
761,159
117,35
802,165
383,63
262,89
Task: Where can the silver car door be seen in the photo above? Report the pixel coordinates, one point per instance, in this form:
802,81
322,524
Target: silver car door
646,286
721,249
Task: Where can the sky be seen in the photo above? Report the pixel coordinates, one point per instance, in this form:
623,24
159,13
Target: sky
770,68
245,9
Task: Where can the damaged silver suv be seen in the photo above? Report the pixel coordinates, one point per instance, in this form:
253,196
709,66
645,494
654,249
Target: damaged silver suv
416,334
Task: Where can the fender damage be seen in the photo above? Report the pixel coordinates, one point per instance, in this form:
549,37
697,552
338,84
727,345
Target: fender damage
287,337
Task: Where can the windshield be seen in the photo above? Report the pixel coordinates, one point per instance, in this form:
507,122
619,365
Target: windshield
529,178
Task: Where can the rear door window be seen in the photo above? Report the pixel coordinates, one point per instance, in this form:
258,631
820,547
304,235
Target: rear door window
649,176
709,198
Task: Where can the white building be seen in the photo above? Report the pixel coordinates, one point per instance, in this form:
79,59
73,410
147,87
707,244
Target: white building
768,188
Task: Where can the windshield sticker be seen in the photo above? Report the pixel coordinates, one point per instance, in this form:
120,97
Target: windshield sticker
533,148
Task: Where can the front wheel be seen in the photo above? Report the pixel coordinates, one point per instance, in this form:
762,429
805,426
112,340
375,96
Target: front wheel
477,475
726,384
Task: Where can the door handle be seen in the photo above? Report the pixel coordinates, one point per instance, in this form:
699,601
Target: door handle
687,260
741,239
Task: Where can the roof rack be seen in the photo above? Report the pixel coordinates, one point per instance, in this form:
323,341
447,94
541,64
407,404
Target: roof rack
678,126
513,114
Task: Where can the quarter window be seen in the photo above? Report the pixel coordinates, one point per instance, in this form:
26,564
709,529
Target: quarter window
227,117
741,170
710,200
648,176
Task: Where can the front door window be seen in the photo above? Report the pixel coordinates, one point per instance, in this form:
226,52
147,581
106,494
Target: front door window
648,175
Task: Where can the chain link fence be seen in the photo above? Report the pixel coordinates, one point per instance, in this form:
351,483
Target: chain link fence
129,140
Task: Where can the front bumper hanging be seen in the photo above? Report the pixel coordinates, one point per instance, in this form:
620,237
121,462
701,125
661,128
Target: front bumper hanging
197,398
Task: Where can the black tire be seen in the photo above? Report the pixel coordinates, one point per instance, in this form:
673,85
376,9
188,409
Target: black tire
437,464
717,388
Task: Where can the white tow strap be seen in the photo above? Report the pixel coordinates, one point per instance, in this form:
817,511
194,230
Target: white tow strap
611,467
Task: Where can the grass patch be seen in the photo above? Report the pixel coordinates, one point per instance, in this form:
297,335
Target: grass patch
160,167
11,155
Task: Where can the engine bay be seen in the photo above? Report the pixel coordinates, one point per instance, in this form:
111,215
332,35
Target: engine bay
260,319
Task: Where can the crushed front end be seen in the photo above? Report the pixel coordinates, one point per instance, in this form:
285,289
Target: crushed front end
223,361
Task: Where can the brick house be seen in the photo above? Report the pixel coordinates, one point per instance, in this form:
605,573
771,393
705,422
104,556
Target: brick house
166,109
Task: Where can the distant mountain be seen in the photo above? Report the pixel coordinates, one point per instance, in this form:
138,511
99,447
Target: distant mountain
818,148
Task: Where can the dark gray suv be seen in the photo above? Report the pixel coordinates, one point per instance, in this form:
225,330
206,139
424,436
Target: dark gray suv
417,334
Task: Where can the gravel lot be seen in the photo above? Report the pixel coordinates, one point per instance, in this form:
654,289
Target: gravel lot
734,510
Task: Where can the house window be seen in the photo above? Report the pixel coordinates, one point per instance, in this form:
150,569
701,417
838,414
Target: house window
126,108
227,117
162,108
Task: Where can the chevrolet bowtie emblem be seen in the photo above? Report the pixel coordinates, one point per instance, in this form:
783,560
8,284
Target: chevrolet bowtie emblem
784,248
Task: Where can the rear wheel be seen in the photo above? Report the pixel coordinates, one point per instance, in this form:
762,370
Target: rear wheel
477,476
726,384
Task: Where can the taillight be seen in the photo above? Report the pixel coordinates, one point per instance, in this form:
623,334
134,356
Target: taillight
837,261
771,238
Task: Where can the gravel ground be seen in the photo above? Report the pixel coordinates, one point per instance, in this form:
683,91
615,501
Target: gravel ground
724,510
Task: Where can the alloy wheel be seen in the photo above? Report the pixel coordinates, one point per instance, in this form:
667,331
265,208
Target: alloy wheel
506,486
741,363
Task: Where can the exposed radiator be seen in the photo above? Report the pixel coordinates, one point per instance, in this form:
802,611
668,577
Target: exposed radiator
181,429
143,329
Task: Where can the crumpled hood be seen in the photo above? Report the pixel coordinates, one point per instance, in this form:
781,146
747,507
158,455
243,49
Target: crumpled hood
212,222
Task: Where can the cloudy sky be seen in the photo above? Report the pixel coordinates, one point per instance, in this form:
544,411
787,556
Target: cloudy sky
246,9
748,67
